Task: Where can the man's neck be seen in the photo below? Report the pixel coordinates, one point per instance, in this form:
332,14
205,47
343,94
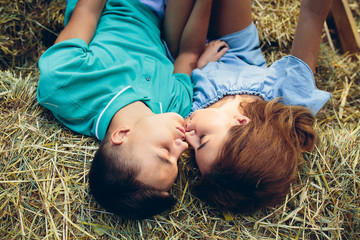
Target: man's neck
129,114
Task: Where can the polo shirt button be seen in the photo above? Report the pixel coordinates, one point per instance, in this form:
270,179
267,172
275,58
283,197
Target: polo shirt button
145,97
147,78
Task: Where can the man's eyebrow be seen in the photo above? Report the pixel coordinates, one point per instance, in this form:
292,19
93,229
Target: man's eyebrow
203,145
164,160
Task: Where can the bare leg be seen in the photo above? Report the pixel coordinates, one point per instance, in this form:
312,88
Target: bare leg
229,16
192,41
176,15
308,32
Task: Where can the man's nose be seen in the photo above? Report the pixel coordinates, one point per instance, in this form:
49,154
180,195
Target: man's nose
179,147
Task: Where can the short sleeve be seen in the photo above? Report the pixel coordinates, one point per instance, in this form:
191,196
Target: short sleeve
60,62
60,88
295,84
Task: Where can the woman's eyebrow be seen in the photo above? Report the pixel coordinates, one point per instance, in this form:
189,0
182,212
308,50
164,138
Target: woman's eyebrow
203,145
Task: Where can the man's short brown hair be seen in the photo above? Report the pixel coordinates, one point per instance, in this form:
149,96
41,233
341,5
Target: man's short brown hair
113,184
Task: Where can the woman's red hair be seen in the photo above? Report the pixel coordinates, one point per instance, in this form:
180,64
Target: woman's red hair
259,160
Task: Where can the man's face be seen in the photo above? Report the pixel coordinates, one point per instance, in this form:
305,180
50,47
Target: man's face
156,142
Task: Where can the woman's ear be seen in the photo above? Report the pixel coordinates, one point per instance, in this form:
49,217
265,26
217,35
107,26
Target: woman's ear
118,136
242,119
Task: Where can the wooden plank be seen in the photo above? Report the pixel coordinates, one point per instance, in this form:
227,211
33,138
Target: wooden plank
345,26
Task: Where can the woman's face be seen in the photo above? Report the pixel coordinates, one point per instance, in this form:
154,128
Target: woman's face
206,132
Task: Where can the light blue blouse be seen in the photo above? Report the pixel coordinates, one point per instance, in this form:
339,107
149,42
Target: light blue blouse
242,70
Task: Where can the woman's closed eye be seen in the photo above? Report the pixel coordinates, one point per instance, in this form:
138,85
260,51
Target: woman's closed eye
202,142
201,138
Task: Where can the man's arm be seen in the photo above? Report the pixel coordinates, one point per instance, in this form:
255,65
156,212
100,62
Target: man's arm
193,38
83,21
306,44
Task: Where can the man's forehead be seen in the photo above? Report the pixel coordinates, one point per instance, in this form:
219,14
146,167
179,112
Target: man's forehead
159,177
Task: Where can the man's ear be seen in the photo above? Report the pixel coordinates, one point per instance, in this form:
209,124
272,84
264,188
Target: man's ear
242,119
165,194
118,136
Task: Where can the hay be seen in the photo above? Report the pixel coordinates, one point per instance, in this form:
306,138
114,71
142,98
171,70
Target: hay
44,166
276,21
27,29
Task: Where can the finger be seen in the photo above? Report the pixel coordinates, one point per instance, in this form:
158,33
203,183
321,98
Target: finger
212,42
221,44
222,52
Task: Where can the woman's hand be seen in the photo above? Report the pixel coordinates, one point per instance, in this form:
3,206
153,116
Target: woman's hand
213,51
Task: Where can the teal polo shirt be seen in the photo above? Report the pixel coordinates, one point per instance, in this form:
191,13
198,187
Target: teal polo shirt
85,85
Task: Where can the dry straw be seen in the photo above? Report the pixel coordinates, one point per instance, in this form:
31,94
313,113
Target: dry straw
44,166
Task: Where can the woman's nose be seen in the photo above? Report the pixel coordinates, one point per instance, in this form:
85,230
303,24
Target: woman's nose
190,133
190,137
